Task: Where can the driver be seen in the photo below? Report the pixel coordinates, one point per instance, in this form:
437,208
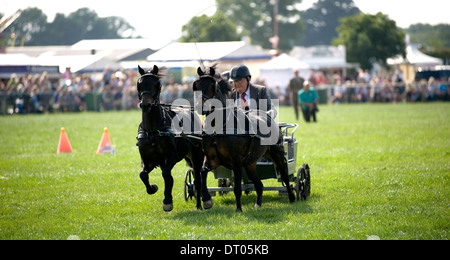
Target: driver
246,94
250,96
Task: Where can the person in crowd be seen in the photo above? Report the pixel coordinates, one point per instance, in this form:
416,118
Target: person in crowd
295,85
432,89
107,74
360,95
107,98
387,92
443,90
308,99
67,75
339,92
36,100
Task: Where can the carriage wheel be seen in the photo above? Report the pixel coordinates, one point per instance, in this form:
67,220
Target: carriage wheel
303,183
224,183
189,187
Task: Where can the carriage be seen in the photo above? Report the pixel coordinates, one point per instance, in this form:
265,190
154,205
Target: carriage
161,144
300,180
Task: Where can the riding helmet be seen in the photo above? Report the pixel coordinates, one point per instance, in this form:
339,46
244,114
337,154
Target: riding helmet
239,72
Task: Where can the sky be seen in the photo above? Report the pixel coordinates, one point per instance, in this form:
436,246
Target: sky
163,19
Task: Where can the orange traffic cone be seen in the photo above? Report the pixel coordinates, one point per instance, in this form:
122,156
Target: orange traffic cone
105,143
64,144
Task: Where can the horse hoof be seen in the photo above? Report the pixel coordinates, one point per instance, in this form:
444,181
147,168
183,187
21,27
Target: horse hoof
168,207
153,189
257,206
208,204
291,199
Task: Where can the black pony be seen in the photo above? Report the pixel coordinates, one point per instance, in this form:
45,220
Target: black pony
235,150
158,146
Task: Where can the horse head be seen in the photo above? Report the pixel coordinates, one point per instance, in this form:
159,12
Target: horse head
149,88
207,85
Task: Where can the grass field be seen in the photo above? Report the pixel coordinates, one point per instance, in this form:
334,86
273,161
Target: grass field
376,169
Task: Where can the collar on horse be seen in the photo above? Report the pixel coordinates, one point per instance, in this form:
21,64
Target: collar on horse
164,130
142,134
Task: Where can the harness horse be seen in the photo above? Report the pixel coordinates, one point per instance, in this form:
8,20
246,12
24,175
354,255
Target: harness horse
235,151
158,146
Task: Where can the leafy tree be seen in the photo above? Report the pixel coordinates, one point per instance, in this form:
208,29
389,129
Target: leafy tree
111,27
210,29
256,18
322,19
66,30
437,36
370,38
31,23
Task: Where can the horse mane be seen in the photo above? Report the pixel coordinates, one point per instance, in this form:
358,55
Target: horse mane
162,72
212,68
225,89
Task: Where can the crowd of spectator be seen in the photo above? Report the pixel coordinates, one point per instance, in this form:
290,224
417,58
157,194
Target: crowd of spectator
116,90
69,92
385,88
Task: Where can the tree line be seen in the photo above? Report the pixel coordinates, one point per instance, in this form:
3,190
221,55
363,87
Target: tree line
368,38
32,28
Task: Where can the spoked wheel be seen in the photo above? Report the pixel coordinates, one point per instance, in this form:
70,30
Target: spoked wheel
303,183
224,183
189,187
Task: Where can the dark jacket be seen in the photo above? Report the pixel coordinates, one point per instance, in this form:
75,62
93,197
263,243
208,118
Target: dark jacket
257,95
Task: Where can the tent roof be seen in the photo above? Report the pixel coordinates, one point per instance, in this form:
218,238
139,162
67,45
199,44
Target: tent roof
117,44
321,56
247,52
415,57
278,71
17,59
115,49
283,62
207,51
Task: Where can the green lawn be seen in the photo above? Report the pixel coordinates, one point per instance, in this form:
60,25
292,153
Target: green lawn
376,169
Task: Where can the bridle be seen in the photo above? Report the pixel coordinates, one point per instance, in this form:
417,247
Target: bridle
155,96
216,87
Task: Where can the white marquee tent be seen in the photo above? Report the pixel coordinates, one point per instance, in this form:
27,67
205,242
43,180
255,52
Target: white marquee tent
279,71
207,51
416,58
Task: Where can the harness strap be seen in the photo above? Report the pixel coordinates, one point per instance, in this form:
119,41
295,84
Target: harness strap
142,134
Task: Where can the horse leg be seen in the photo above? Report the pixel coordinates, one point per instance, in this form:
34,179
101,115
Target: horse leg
277,156
146,169
168,185
238,186
251,173
206,197
197,166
